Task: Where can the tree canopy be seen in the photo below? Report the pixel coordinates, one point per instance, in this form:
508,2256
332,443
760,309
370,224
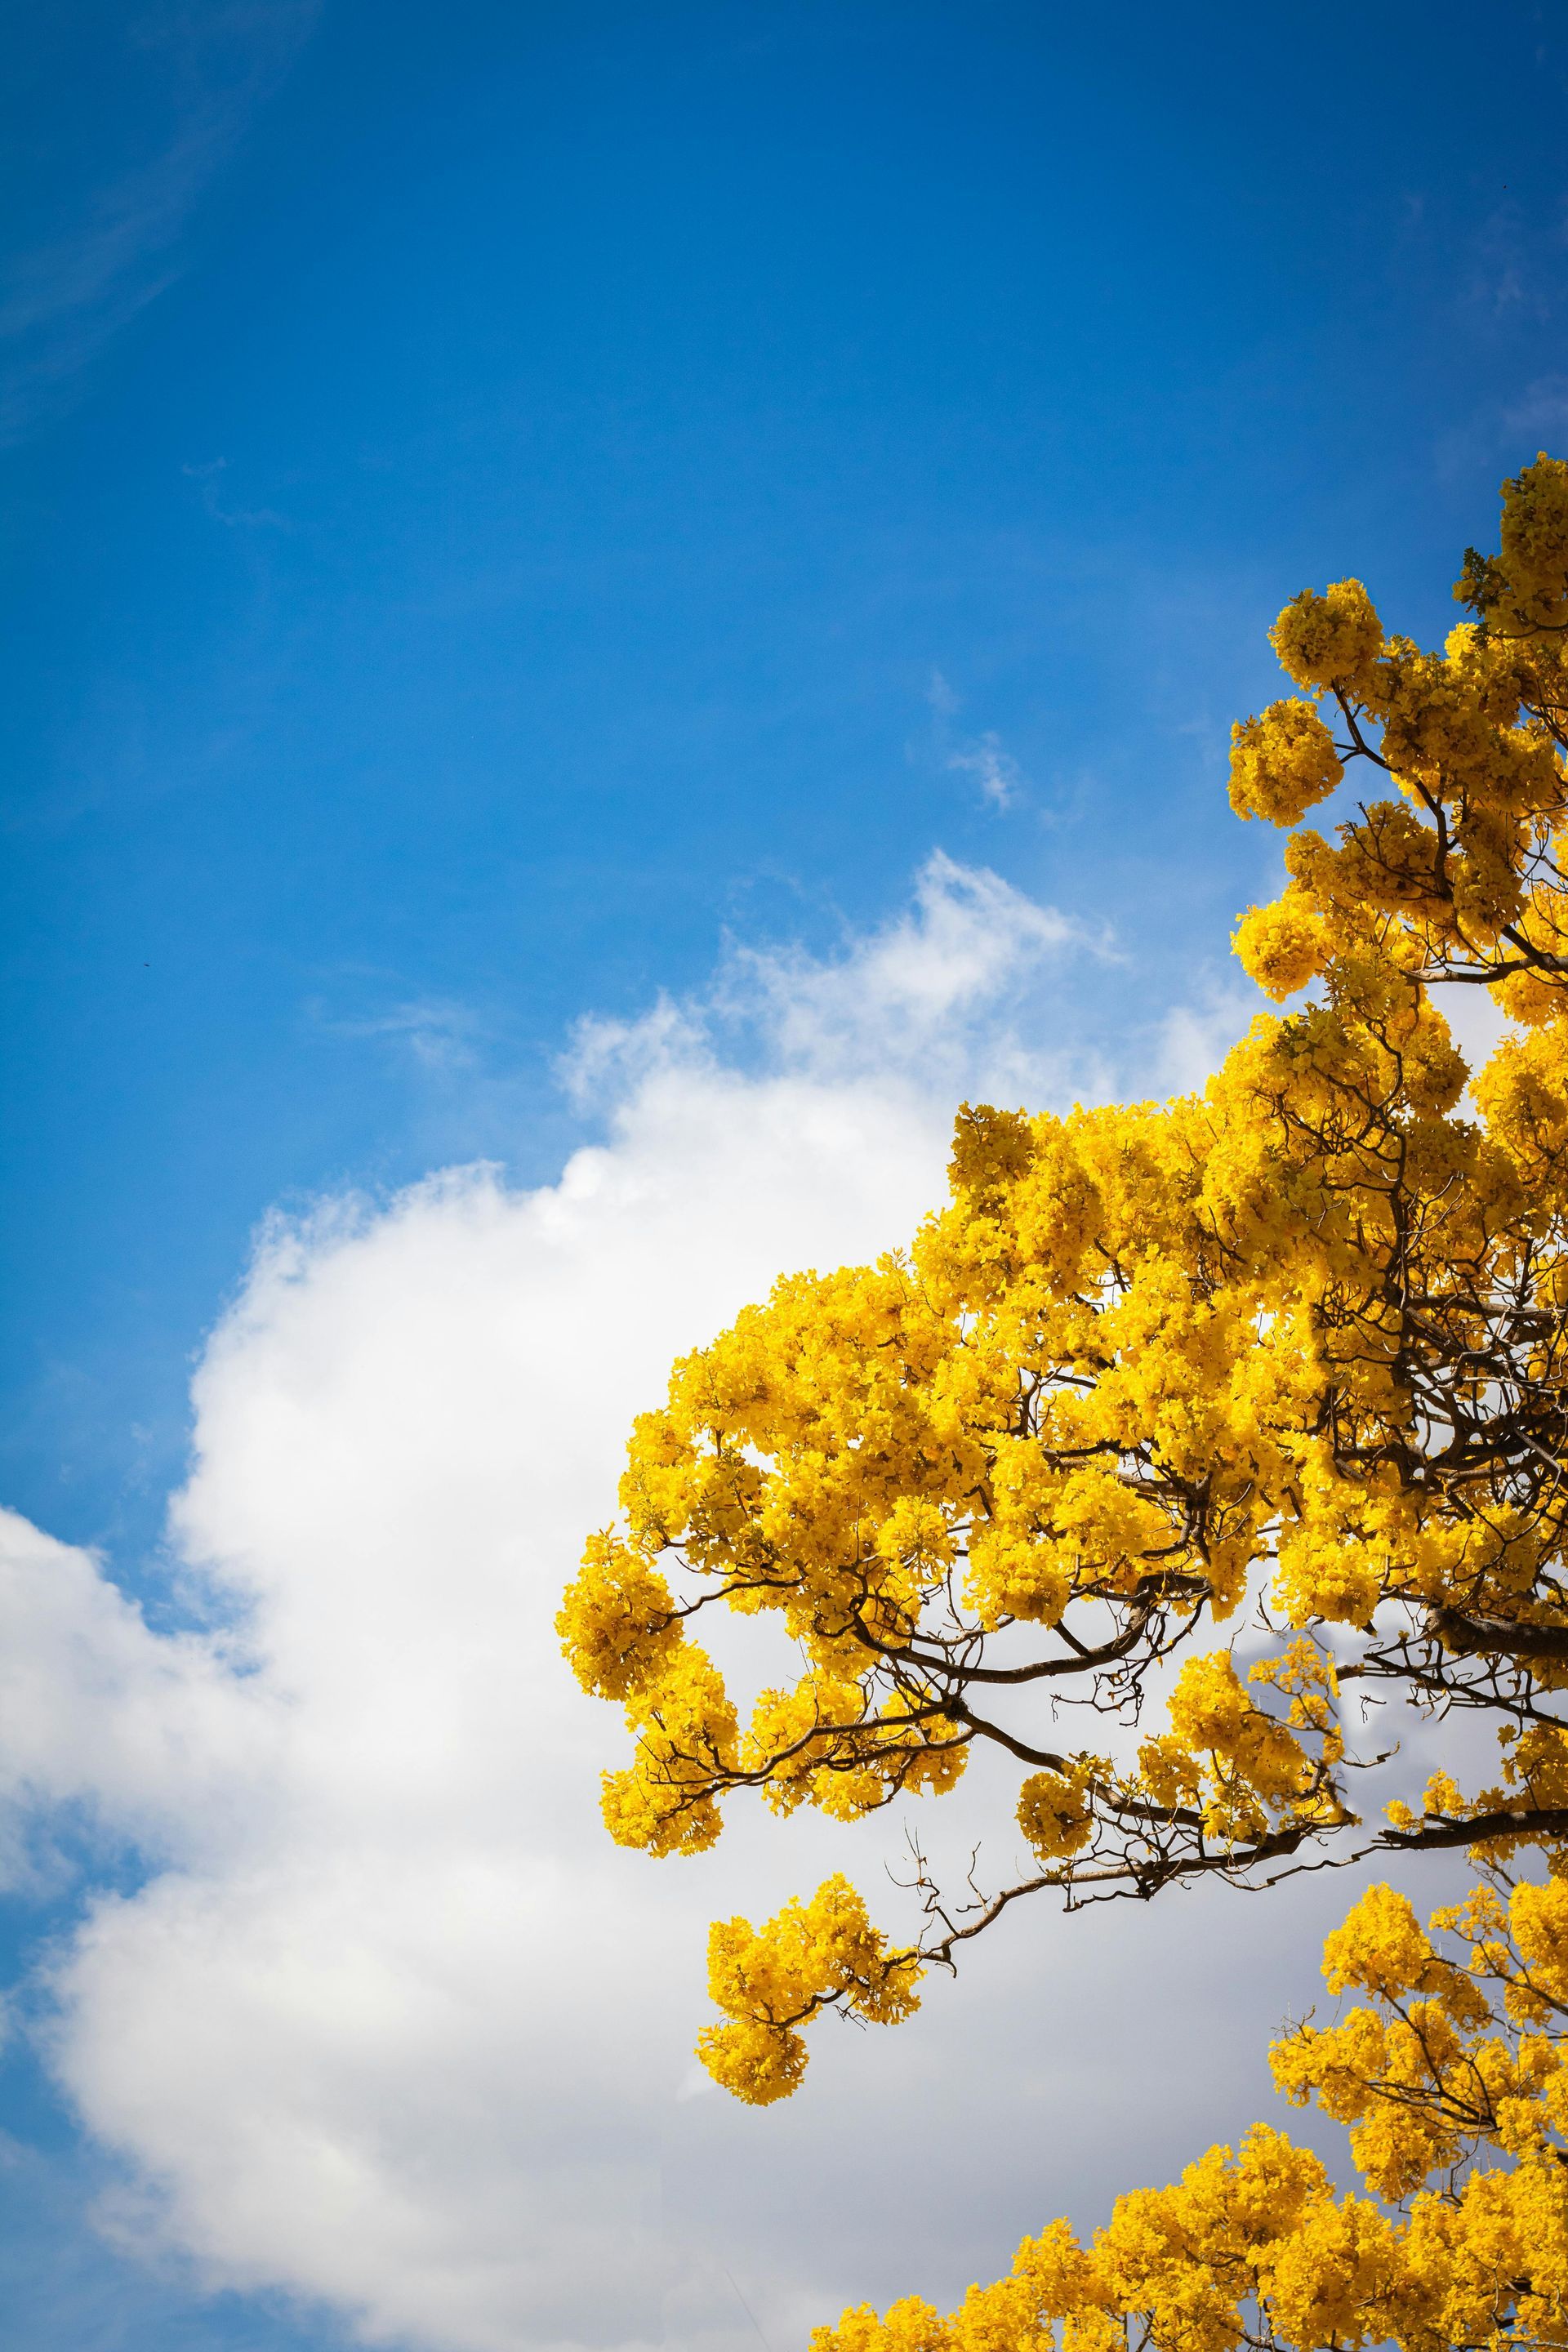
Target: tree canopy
1287,1355
1449,2072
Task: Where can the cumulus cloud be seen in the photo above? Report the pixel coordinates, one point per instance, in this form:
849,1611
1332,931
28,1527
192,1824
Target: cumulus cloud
949,993
387,2022
114,1762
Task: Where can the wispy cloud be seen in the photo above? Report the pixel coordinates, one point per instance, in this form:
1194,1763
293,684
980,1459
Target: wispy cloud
1499,263
1509,431
200,74
210,481
1512,261
441,1033
995,769
940,695
1541,409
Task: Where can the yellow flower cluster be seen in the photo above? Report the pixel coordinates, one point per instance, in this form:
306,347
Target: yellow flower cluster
1298,1342
767,1985
1452,2078
1283,763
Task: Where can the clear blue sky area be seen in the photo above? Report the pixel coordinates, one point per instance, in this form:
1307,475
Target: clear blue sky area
490,490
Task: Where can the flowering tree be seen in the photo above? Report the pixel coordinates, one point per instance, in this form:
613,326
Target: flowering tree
1449,2071
1288,1354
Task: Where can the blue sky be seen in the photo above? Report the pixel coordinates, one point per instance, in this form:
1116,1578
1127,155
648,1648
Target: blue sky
504,500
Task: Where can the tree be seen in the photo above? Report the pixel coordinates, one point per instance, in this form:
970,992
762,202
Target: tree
1291,1353
1450,2074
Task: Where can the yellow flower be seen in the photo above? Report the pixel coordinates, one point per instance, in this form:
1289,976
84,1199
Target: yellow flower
1283,763
1290,1349
1334,639
1282,946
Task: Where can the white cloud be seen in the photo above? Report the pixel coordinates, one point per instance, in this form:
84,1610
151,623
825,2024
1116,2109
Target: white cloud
208,479
437,1032
944,994
994,769
390,2024
1193,1039
142,1709
940,696
208,69
955,992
